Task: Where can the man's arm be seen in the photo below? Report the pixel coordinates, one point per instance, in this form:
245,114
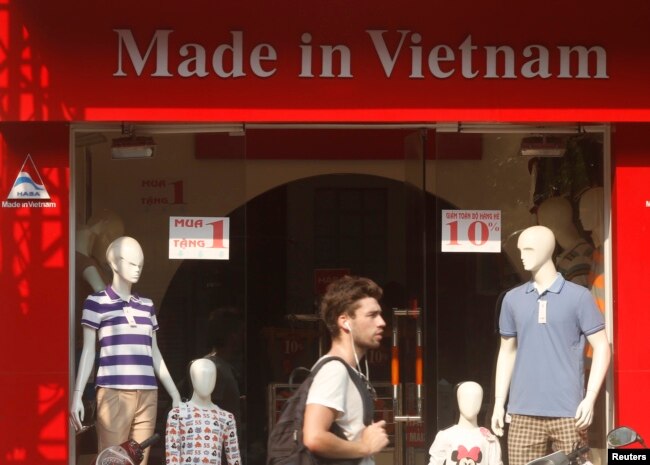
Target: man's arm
319,440
599,365
505,367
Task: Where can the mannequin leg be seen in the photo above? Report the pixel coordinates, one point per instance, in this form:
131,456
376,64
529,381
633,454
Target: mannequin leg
115,411
144,421
527,439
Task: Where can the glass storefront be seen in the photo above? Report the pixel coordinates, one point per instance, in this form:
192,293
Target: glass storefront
431,214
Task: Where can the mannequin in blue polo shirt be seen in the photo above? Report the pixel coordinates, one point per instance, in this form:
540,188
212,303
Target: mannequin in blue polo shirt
544,325
129,360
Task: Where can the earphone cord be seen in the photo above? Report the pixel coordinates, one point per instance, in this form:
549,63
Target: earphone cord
356,359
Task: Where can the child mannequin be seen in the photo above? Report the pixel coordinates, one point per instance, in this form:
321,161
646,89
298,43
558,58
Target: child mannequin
466,442
198,429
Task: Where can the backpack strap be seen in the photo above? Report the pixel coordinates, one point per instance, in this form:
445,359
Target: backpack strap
363,386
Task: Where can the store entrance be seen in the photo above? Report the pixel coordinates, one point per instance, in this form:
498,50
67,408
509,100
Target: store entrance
306,205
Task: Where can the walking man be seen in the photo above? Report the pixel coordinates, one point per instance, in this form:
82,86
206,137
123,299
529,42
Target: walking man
350,309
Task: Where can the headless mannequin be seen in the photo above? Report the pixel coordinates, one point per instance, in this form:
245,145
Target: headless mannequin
199,428
466,442
574,262
93,239
126,259
591,217
591,214
536,245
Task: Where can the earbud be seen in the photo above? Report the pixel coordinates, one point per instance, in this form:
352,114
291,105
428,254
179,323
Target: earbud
347,326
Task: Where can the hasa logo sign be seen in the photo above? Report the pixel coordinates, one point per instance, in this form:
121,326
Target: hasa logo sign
28,183
28,188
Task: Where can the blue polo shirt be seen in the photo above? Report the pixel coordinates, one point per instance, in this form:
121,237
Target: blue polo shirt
548,377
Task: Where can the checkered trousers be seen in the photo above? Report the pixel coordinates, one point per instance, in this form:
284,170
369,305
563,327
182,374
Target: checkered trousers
532,437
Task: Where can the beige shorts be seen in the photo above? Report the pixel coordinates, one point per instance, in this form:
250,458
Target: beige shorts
124,414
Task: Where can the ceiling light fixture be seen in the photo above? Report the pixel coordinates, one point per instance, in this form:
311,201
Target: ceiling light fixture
131,146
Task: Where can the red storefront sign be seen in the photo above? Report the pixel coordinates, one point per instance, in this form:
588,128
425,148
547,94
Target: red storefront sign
416,61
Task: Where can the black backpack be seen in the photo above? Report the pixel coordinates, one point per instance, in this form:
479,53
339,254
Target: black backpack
285,446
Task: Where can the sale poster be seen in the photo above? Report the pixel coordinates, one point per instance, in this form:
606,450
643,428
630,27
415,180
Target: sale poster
199,237
471,231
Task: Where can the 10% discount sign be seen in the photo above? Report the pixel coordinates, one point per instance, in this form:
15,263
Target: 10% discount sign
471,231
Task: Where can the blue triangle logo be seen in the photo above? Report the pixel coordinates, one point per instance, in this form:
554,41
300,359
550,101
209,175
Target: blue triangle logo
28,184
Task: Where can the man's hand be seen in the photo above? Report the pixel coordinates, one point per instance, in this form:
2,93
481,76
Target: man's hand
497,420
374,437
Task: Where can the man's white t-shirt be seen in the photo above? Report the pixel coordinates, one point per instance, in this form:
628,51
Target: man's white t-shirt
333,388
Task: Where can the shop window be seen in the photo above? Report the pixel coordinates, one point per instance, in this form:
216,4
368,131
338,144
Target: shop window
350,230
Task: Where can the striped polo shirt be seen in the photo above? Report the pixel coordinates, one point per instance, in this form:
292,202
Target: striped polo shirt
125,355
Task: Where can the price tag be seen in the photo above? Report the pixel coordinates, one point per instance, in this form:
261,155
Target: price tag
128,312
541,311
471,231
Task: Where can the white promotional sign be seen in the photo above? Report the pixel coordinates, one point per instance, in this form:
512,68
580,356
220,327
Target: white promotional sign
471,231
199,237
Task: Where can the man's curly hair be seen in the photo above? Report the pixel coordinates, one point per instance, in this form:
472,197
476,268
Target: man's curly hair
343,295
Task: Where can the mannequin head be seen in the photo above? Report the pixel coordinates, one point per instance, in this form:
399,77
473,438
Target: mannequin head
470,398
125,258
536,245
591,213
203,373
556,213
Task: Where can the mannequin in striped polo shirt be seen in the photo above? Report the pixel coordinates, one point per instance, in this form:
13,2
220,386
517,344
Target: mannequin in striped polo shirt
129,359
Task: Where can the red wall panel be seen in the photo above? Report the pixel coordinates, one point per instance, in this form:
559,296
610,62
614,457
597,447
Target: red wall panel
631,229
34,288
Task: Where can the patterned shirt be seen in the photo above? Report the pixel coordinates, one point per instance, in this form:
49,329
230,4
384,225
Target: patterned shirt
196,435
125,355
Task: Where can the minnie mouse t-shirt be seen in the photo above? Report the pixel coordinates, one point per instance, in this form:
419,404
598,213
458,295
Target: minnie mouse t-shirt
465,446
